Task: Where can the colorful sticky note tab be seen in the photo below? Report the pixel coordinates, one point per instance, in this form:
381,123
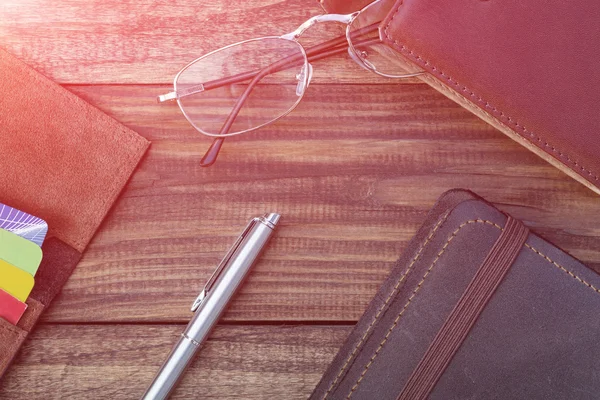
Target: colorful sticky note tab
19,252
15,281
11,309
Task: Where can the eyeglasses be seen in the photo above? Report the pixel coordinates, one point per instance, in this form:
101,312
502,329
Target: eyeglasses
247,85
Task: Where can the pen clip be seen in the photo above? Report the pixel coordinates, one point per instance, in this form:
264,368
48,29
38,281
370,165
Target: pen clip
213,278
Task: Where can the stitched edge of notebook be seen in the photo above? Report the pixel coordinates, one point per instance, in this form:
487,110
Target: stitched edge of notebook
413,295
387,300
557,265
466,311
418,287
486,105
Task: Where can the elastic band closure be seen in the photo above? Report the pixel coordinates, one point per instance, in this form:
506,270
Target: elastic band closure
462,318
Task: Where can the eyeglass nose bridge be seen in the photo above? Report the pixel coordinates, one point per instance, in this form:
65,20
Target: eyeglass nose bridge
343,18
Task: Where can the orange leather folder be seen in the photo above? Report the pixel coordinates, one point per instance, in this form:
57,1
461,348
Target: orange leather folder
63,161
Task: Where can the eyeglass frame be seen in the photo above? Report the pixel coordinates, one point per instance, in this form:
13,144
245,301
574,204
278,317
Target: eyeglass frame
323,50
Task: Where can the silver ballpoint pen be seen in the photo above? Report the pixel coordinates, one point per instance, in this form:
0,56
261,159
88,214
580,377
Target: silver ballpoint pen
211,303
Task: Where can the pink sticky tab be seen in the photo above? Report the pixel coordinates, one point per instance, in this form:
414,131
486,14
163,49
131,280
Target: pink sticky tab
11,309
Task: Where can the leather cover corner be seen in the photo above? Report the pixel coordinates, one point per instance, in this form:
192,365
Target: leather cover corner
517,344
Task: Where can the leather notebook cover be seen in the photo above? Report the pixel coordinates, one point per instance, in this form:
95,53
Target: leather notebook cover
477,307
63,161
529,68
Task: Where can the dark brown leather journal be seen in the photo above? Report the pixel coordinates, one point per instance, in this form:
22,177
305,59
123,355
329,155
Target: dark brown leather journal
65,162
477,307
529,68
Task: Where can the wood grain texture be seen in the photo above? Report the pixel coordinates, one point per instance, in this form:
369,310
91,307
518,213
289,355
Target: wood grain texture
353,184
119,362
353,170
149,41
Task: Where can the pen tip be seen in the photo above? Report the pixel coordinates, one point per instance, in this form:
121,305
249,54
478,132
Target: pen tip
272,218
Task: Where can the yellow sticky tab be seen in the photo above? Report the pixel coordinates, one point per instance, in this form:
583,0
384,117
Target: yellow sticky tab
15,281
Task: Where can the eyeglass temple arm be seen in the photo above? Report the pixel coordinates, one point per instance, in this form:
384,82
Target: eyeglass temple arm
318,52
213,151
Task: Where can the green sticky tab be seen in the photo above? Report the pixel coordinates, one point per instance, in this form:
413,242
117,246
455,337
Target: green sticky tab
20,252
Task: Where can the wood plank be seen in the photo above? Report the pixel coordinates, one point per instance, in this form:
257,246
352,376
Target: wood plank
149,41
118,362
353,171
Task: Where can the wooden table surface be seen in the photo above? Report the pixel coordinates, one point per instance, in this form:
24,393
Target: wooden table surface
353,171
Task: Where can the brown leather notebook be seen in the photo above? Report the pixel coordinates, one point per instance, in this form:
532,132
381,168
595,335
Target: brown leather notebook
477,307
63,161
529,68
